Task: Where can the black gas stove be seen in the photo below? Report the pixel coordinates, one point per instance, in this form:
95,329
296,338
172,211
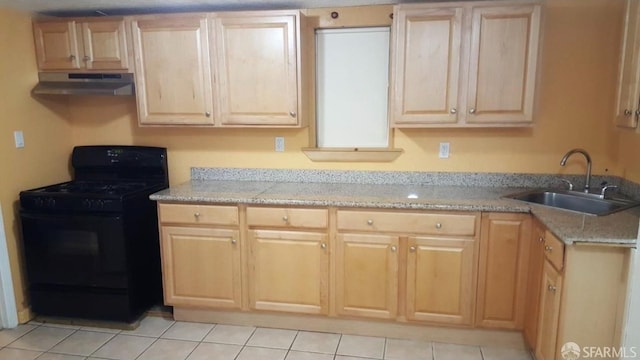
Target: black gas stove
91,244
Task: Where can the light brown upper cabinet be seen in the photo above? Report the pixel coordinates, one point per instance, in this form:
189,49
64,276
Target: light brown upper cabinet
92,44
256,64
469,65
173,77
628,104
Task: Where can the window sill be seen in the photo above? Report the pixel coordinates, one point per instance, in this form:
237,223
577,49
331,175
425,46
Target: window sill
352,155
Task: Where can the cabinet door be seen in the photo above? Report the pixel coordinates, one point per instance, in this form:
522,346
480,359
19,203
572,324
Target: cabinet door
367,275
546,345
502,274
257,70
504,51
536,261
629,78
56,45
427,66
105,45
201,267
173,76
440,279
288,271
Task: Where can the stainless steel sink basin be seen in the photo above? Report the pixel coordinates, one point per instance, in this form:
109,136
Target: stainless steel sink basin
575,201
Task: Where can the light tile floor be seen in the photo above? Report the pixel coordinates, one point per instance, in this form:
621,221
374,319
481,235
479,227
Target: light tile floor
161,339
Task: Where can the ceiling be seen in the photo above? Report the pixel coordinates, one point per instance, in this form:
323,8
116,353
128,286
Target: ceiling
123,7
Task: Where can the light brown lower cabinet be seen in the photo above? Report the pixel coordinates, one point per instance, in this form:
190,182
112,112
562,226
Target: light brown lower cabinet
440,279
289,271
367,275
201,267
502,271
536,262
549,314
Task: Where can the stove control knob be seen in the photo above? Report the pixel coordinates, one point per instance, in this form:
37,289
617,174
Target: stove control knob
51,202
86,203
99,204
38,202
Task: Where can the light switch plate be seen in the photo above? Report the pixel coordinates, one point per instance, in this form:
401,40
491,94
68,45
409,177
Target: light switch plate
444,150
18,136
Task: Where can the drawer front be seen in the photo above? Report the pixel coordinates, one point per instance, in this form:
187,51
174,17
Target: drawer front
554,250
198,214
423,223
287,217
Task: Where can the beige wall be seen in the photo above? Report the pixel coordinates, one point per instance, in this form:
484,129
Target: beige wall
575,96
44,159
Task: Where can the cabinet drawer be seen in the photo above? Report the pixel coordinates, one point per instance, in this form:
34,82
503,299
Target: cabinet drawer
198,214
287,217
423,223
554,250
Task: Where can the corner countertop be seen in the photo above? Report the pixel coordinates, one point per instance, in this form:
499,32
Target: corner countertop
616,229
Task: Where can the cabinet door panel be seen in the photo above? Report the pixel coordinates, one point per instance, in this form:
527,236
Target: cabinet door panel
536,261
289,271
629,78
504,51
257,70
105,45
503,265
172,71
427,67
56,46
201,267
440,279
367,275
549,313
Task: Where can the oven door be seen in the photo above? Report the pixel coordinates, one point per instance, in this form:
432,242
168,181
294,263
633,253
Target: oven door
75,250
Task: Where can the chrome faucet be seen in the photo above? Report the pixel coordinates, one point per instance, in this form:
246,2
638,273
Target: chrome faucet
563,162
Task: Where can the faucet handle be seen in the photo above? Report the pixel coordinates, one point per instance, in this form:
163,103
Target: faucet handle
605,188
568,183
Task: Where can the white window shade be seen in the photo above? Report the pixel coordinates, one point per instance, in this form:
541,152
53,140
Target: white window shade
352,68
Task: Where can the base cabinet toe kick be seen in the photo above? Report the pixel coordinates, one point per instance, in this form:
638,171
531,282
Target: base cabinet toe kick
480,278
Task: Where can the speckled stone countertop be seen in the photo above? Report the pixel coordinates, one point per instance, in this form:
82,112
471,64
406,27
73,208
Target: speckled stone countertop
620,228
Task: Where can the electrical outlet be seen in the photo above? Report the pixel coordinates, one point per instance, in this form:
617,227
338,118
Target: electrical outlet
18,136
444,150
279,143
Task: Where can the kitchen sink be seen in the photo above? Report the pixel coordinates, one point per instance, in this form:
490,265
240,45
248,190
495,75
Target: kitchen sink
575,201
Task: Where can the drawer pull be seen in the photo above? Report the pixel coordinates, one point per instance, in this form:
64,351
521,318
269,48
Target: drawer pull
548,248
196,215
412,249
394,248
438,226
323,246
285,218
369,222
551,288
234,241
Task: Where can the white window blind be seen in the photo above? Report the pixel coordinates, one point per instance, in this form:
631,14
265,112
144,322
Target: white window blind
352,68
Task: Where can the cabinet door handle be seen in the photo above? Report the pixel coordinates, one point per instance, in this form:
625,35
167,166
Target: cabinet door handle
207,114
72,58
548,248
292,113
540,239
394,248
438,226
234,241
472,111
453,110
285,218
412,249
369,222
323,246
627,112
86,58
551,288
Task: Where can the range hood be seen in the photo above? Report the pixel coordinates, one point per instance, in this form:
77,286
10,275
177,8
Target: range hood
84,84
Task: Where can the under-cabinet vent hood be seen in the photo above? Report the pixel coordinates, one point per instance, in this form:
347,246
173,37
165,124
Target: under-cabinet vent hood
84,84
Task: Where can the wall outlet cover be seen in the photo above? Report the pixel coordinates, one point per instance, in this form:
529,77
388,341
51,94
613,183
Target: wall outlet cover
444,150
